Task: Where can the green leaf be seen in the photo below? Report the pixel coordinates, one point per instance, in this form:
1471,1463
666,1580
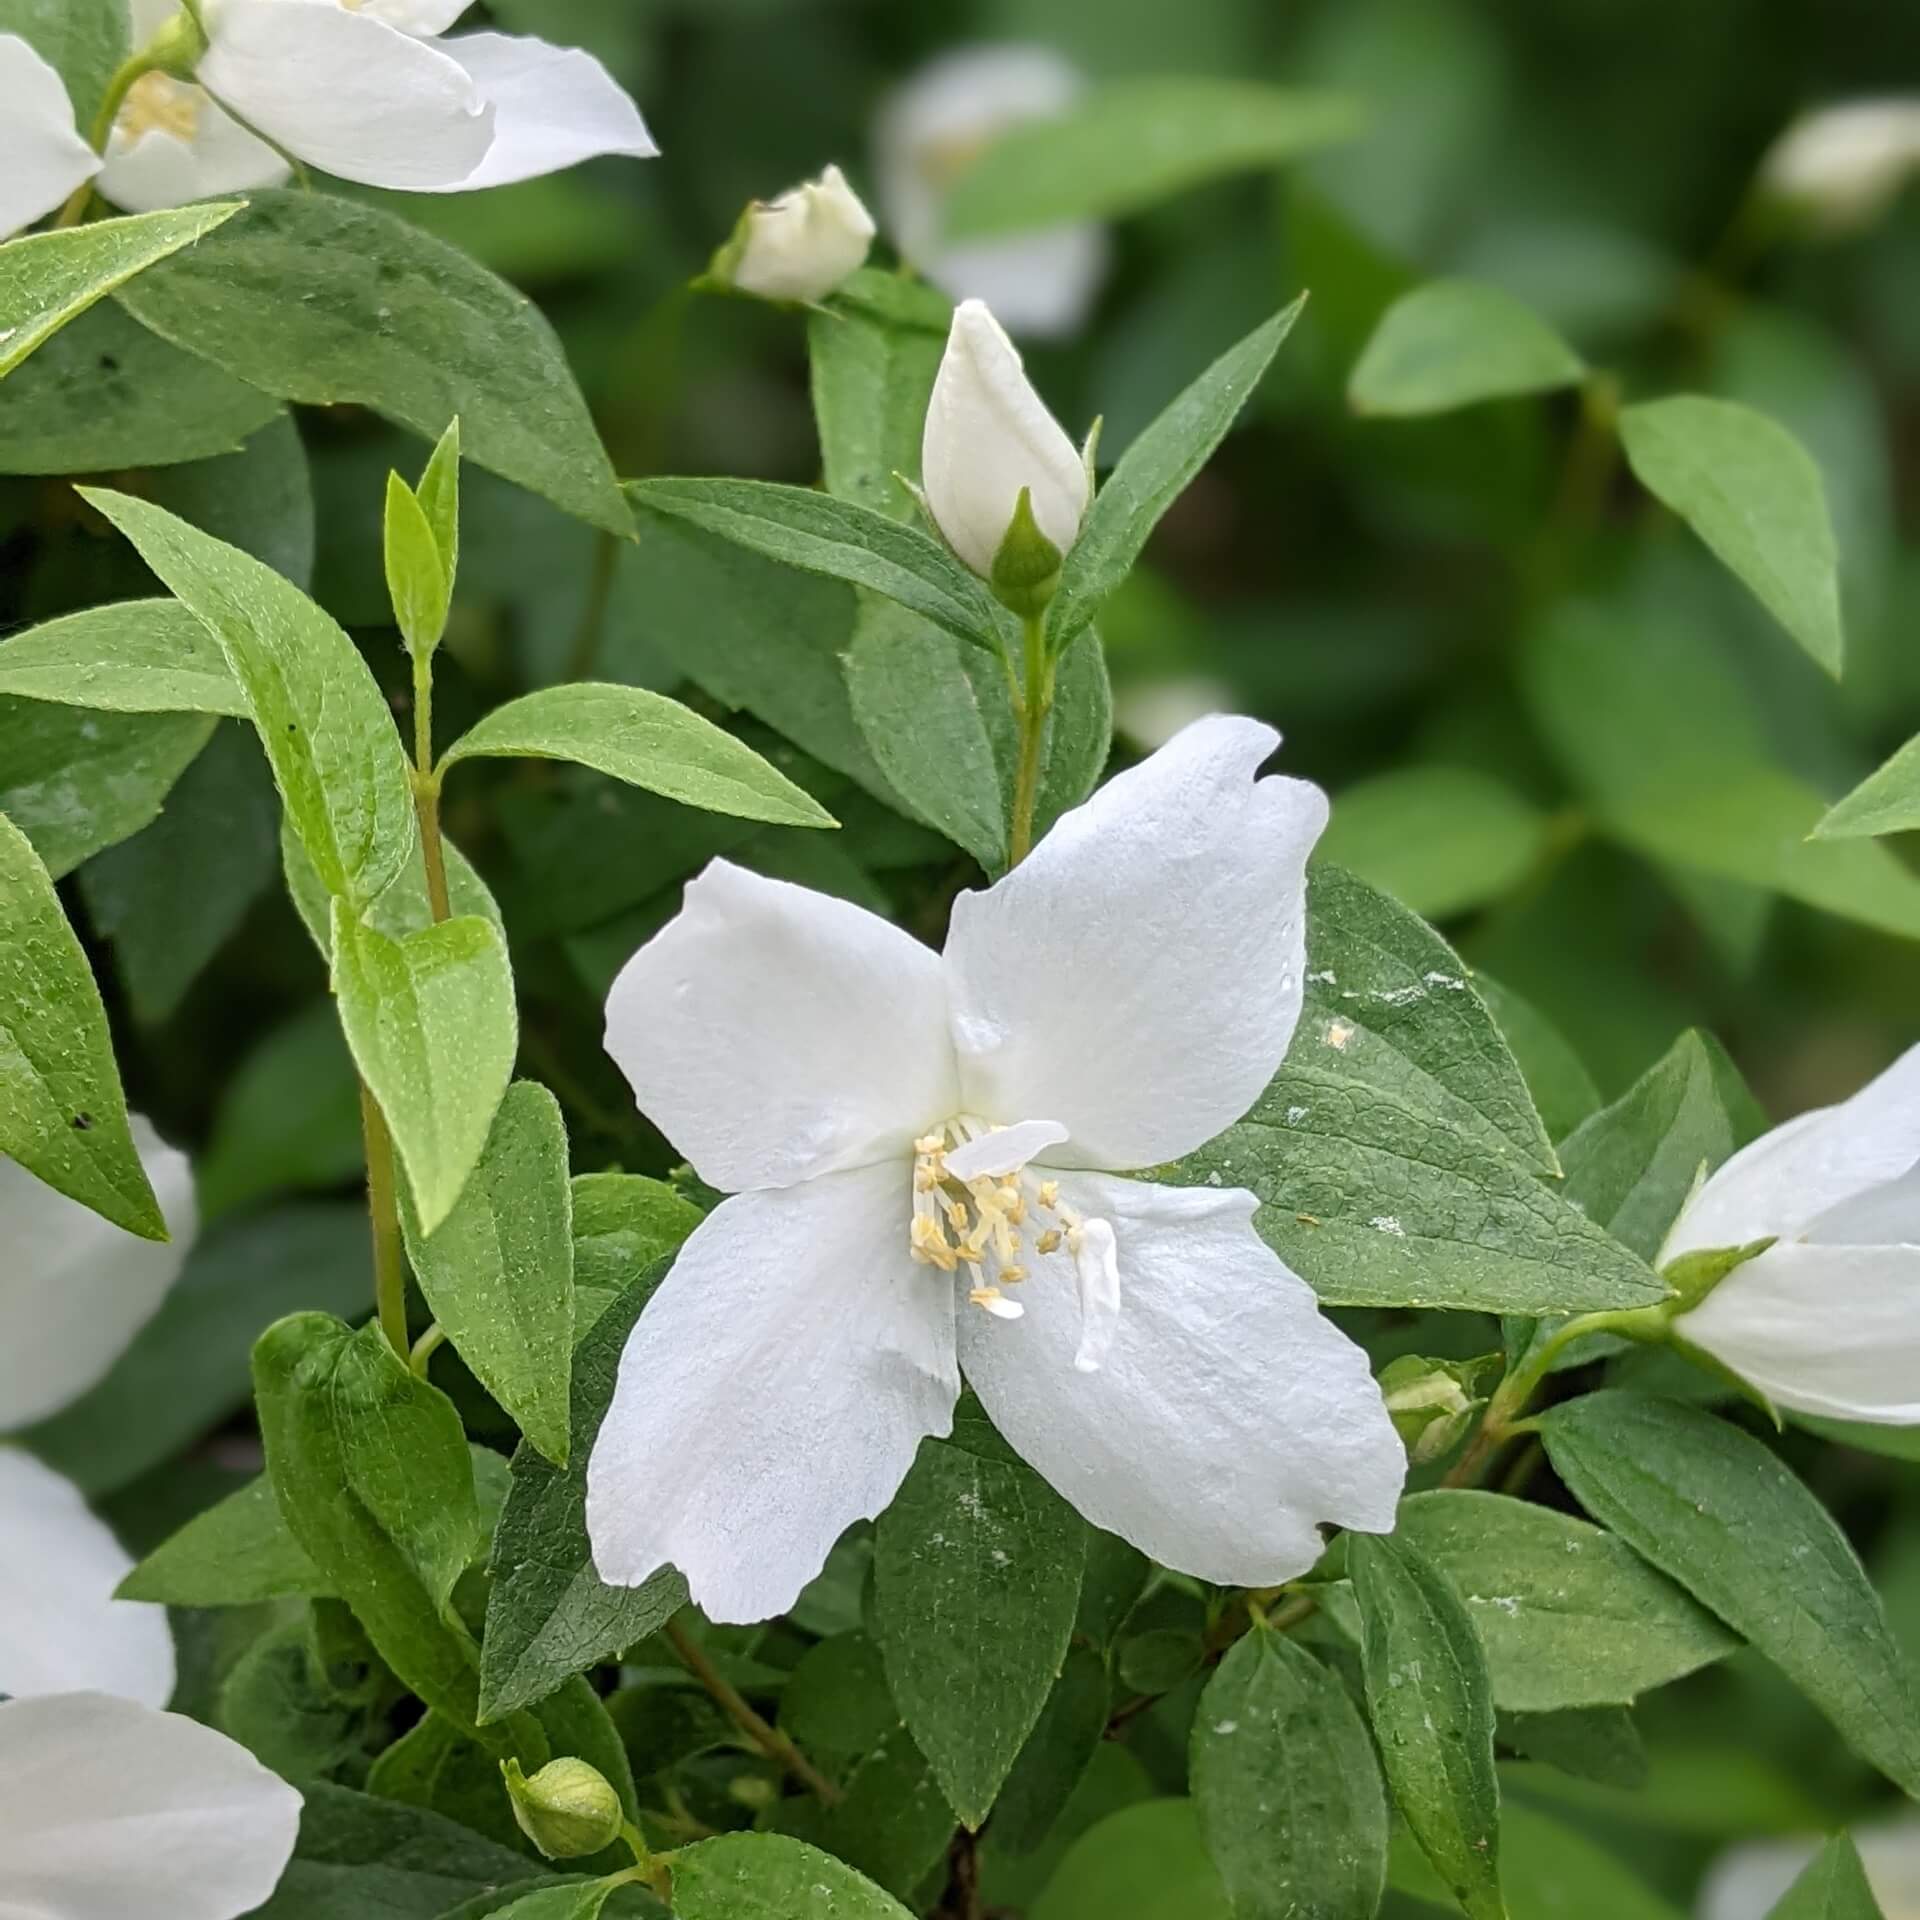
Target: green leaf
417,579
237,1553
62,1114
130,656
1717,1511
439,497
623,1224
1133,143
1154,472
1569,1615
1287,1786
892,1824
402,907
765,1876
968,1544
1563,1090
1453,343
187,1372
1834,1887
564,1903
550,1614
1633,1165
1057,1754
819,534
324,300
1147,1862
105,394
170,897
498,1272
649,741
275,1701
47,279
83,40
1748,488
358,1856
1431,1704
329,736
76,783
1886,801
371,1470
259,499
433,1028
1441,840
1586,1743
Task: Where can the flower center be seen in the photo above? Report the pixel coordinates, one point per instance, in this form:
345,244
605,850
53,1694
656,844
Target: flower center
1000,1224
158,103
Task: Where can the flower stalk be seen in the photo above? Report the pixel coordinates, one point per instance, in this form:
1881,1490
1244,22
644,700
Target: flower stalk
426,790
1033,702
383,1209
776,1745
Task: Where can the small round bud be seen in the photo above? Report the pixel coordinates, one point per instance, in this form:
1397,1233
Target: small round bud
568,1809
1428,1404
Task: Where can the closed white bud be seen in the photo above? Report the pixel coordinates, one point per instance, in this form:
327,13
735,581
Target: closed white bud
1844,165
989,437
800,246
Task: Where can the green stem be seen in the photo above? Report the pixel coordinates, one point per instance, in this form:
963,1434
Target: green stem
648,1870
383,1208
426,790
763,1733
425,1348
1031,708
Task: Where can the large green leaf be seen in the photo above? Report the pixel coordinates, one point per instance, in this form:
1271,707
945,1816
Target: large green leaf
371,1470
329,736
623,1224
130,656
649,741
1132,143
1057,1754
1716,1510
1569,1614
238,1553
1288,1787
550,1614
433,1028
1752,492
1834,1887
62,1114
47,279
1431,1703
968,1544
1154,472
1886,801
1453,343
820,534
766,1876
324,300
1146,1861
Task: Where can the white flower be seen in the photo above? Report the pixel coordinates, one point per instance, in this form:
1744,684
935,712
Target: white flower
802,245
109,1809
108,1806
1827,1320
1748,1881
989,435
42,156
361,89
1846,163
923,1150
1040,283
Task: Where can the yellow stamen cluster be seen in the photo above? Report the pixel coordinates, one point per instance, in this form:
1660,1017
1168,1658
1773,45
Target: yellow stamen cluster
158,103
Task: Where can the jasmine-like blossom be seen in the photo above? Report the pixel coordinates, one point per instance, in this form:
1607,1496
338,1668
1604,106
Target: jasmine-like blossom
926,1152
1827,1319
800,246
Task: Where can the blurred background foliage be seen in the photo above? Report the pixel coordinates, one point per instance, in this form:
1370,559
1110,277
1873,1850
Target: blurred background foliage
1550,721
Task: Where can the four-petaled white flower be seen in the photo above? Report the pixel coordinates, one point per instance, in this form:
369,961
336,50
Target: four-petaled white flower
1827,1320
930,131
1844,164
988,438
800,246
108,1806
924,1151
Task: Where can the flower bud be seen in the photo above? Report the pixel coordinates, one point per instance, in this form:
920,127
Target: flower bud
568,1809
1844,165
800,246
1428,1403
989,440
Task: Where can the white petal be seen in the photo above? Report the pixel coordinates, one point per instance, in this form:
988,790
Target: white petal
1096,1266
1821,1329
1228,1418
149,165
553,107
802,245
988,436
61,1629
349,94
773,1392
1846,162
74,1289
774,1033
1138,976
417,16
110,1810
42,157
1004,1150
1787,1179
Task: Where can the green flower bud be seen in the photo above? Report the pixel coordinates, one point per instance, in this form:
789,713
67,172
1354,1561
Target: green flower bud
1429,1403
568,1809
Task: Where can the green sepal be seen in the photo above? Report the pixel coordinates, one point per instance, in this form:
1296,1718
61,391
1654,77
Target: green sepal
1693,1276
1026,570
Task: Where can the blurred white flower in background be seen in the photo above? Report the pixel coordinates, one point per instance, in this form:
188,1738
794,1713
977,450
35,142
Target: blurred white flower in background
800,246
1151,712
1844,164
929,131
1748,1881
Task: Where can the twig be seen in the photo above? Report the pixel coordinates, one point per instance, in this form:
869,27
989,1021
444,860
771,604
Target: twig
762,1732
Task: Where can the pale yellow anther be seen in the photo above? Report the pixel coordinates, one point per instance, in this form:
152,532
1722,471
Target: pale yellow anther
957,1216
1049,1194
993,1301
925,1179
928,1143
1012,1276
158,103
1076,1238
1049,1242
